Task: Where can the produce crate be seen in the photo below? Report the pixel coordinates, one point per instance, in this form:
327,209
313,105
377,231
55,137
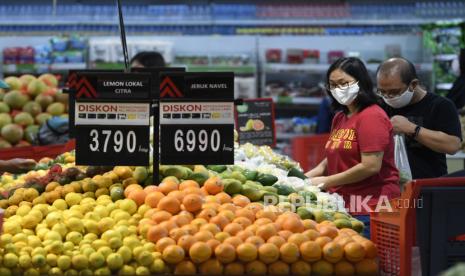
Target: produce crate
309,151
394,232
441,239
36,152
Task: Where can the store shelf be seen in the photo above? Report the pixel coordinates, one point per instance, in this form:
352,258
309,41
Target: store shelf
296,67
445,57
444,86
297,100
246,69
68,66
289,136
41,68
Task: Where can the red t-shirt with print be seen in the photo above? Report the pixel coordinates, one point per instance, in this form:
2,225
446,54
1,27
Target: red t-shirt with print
367,131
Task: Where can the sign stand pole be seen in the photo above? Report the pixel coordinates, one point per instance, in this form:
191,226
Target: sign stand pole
123,36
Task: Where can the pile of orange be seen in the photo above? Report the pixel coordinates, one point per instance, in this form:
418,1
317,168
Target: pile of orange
204,230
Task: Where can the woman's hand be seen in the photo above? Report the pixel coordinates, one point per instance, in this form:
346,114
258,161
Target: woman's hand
321,182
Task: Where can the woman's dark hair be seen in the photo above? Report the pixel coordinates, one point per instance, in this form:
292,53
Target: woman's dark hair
149,59
355,68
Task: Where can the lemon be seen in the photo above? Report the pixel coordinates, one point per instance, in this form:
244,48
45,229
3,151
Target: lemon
90,237
115,243
158,266
39,260
20,237
39,251
29,272
96,260
27,250
105,251
73,199
99,243
53,218
55,271
101,211
91,226
136,251
115,261
88,251
23,210
75,224
127,270
6,239
71,272
56,247
123,230
74,237
64,262
86,272
104,271
128,206
52,259
68,246
25,261
60,228
92,216
10,260
126,253
60,204
11,227
131,242
80,262
122,216
142,271
145,258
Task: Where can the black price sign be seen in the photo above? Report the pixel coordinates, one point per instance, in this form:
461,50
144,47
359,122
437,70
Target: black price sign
255,122
107,145
206,144
197,132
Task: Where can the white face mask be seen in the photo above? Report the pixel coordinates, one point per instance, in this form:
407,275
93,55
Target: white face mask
347,95
401,100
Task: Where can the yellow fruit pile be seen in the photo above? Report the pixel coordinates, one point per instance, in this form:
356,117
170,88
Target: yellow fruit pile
204,230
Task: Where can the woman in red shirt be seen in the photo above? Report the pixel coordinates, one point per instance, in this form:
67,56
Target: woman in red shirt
359,163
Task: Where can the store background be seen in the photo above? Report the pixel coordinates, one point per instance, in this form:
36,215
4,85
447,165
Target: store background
277,49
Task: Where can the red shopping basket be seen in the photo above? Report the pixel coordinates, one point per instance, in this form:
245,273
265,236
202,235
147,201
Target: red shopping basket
37,152
394,233
309,150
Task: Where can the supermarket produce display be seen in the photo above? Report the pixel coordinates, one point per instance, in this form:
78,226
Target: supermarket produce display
26,106
63,218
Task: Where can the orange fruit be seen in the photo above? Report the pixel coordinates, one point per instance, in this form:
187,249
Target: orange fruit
255,207
203,236
240,200
211,267
192,202
168,225
213,185
311,234
333,252
322,241
322,267
138,196
150,212
203,192
309,224
327,223
190,229
268,253
186,214
298,239
211,199
164,243
200,252
131,188
344,268
211,205
366,267
179,195
156,232
193,190
222,236
213,244
161,216
255,268
169,204
278,268
255,240
227,214
370,248
348,231
180,220
210,227
310,251
243,221
207,214
186,242
223,198
285,234
153,198
168,186
225,253
266,214
244,234
247,252
328,231
177,233
220,220
276,240
234,241
246,214
150,189
198,222
293,224
234,269
228,206
252,228
188,184
289,252
173,254
233,228
262,221
343,240
185,268
301,268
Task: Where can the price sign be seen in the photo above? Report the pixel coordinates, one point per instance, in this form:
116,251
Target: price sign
255,122
112,129
197,132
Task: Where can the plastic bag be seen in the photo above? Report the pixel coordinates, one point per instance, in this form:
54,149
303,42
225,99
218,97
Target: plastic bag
401,160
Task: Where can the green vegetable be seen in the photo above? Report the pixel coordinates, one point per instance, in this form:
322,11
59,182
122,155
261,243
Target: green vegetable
283,189
217,168
250,175
267,179
297,173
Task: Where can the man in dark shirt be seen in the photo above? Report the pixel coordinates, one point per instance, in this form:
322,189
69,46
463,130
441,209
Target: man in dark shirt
429,122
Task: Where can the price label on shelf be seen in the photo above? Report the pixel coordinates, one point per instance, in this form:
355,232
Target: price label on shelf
255,122
197,132
112,119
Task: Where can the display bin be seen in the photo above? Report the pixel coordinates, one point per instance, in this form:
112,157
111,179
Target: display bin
36,152
394,232
441,220
309,151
